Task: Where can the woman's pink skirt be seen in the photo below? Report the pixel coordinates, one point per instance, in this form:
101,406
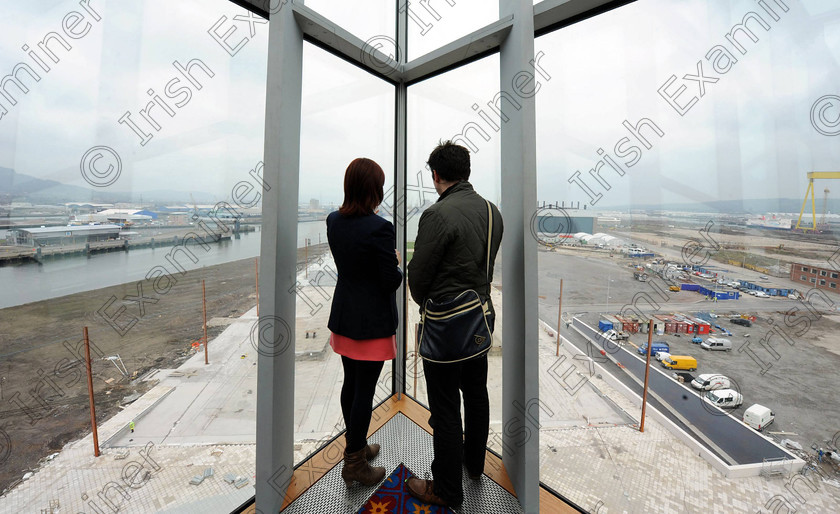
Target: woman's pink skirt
381,349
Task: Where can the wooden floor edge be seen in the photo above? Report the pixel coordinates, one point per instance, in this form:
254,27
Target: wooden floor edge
550,504
321,462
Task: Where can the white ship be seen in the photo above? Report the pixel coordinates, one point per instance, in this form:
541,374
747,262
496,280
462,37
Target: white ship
770,222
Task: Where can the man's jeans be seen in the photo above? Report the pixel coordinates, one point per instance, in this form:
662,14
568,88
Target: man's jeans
454,446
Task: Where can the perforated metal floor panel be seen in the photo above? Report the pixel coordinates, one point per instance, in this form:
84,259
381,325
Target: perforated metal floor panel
404,442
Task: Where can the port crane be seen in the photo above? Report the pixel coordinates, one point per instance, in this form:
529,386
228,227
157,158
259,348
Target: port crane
812,175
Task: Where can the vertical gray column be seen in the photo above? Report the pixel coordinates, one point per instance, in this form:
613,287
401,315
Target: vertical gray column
520,396
275,336
405,334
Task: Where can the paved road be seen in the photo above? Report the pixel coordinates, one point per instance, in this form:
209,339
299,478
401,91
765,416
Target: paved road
731,440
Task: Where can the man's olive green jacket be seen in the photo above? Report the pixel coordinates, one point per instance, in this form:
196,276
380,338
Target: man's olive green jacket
451,247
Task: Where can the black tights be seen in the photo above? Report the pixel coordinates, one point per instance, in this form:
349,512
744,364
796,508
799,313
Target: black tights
357,399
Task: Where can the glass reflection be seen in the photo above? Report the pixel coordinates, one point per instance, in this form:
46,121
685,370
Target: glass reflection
346,113
659,189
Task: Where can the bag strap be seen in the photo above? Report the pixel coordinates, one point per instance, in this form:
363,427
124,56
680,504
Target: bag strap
489,235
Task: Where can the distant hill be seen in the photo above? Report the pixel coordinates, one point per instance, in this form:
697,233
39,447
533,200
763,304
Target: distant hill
760,206
24,188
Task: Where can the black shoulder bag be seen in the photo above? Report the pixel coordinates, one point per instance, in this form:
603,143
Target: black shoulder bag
461,328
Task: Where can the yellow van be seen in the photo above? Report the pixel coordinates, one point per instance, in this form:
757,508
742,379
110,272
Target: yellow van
680,362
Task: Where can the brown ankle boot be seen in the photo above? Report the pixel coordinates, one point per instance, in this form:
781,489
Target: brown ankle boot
356,468
371,451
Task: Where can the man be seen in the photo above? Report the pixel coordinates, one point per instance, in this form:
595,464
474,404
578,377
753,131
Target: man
449,257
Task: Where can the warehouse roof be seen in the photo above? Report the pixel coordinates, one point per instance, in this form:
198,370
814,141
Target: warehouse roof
72,228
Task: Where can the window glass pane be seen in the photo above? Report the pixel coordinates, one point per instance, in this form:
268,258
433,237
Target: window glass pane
441,109
432,25
376,20
346,114
658,191
131,141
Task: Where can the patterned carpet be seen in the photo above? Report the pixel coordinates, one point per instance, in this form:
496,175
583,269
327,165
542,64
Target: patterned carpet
393,498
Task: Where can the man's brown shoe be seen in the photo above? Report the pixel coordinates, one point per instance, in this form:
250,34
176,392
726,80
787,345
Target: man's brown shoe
424,490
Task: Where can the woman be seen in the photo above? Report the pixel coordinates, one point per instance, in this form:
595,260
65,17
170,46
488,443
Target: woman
363,319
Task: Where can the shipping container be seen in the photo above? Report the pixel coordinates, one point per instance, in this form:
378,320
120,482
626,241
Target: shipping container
670,325
701,327
629,324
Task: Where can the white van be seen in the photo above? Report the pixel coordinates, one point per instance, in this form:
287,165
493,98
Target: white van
758,416
717,343
710,382
725,398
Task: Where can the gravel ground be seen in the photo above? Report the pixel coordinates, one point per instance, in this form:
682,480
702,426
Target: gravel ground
40,341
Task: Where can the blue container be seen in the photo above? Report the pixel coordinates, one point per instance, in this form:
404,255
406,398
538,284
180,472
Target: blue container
603,326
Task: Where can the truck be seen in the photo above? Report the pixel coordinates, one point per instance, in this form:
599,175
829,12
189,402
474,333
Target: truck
682,377
684,362
655,347
616,335
759,416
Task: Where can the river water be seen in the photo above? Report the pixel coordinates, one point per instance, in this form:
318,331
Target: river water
31,282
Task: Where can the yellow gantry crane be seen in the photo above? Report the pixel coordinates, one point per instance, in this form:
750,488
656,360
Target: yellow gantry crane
810,192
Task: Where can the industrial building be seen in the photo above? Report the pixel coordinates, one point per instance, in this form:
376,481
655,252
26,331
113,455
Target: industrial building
70,234
813,276
123,217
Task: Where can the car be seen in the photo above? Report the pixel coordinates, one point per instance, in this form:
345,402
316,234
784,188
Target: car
725,398
717,343
761,294
763,277
661,356
741,321
710,382
696,339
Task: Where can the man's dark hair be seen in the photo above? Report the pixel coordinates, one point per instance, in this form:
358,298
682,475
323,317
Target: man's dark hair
450,161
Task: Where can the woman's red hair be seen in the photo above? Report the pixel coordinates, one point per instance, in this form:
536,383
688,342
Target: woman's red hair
363,182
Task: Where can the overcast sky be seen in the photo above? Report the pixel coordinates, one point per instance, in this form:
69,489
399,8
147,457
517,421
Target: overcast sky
749,136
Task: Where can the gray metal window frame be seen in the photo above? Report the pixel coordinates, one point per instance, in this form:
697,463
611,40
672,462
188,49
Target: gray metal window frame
512,36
